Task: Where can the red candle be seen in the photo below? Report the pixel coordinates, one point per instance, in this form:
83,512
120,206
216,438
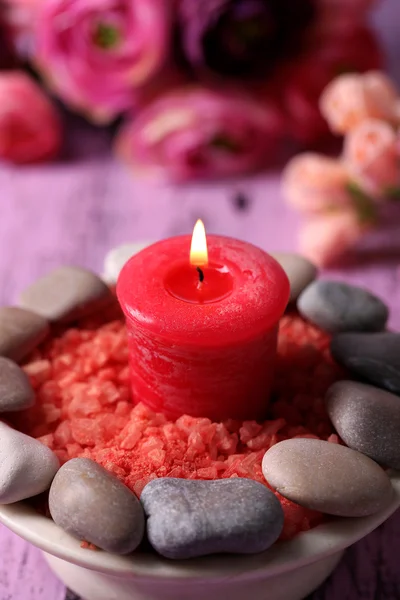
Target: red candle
202,328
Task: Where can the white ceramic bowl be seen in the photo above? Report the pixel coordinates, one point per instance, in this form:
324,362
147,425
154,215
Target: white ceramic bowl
287,571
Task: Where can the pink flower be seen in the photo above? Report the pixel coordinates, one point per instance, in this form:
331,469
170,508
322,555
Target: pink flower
251,38
350,99
325,238
194,132
313,183
370,153
96,53
30,130
302,84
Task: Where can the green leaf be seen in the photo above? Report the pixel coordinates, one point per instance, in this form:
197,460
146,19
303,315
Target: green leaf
363,203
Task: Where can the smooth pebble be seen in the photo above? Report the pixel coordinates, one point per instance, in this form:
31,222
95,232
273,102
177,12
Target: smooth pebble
91,504
300,271
338,307
327,477
16,392
373,357
27,467
65,294
117,257
21,331
189,518
367,419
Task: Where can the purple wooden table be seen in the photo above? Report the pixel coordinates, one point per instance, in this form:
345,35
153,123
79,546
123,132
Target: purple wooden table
76,210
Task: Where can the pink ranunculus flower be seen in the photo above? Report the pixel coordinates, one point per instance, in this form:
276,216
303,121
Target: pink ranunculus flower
30,129
313,183
96,53
194,132
325,238
370,153
350,99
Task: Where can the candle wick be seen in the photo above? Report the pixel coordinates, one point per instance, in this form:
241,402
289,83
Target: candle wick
201,274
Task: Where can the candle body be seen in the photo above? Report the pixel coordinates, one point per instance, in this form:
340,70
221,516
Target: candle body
205,351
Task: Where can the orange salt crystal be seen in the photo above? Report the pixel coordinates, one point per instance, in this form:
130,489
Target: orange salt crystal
88,546
84,409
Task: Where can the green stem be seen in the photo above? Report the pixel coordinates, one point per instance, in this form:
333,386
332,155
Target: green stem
363,203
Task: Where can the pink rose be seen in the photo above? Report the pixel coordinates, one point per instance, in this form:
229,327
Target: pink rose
313,183
96,53
350,99
370,153
325,238
30,130
199,133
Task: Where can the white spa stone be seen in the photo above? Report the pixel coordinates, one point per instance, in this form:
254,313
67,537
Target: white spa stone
66,294
16,392
117,257
27,467
300,271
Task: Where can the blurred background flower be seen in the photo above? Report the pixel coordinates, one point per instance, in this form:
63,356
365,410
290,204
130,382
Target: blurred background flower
287,50
314,183
111,58
371,154
340,198
353,50
194,132
350,99
96,54
325,239
242,38
30,130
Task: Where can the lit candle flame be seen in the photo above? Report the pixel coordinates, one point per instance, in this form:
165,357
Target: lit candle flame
198,249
